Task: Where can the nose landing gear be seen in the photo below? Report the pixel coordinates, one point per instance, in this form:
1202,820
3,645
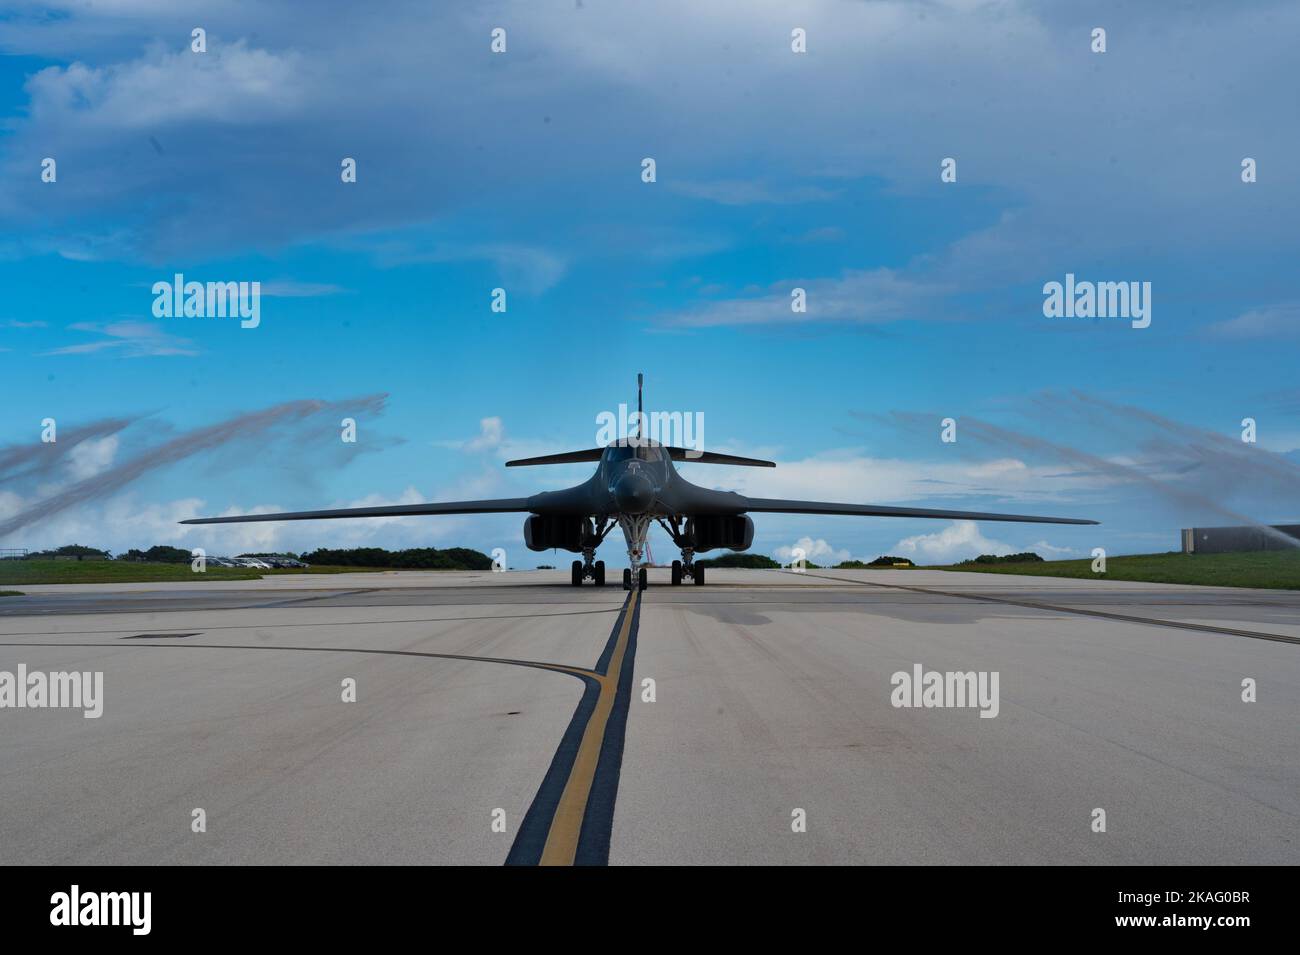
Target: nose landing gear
635,527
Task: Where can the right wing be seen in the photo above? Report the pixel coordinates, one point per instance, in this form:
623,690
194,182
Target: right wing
501,506
776,506
564,457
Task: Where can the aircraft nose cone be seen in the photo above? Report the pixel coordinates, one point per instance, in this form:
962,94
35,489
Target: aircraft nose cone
634,493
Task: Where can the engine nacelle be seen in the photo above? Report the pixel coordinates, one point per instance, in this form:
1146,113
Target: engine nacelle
548,531
730,533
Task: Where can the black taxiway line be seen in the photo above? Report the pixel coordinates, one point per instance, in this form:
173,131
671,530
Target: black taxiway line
571,817
563,828
319,624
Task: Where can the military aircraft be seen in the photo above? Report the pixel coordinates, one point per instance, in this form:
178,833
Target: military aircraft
635,485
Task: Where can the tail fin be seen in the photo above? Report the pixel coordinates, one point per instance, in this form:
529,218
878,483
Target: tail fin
640,415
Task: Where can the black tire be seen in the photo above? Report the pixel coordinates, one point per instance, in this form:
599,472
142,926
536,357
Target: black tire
642,579
677,573
698,573
576,575
627,578
600,573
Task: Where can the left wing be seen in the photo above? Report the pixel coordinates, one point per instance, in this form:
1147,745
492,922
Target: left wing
500,506
777,506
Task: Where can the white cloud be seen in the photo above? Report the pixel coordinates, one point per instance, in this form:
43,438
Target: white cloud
522,266
118,524
958,541
1044,549
817,551
561,114
128,340
491,433
92,456
1275,321
877,295
291,289
850,477
743,192
229,83
491,436
125,521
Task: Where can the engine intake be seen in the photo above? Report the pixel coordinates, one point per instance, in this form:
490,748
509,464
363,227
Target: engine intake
713,531
547,531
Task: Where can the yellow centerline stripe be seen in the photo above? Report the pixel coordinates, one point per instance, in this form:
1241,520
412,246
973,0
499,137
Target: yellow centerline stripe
562,840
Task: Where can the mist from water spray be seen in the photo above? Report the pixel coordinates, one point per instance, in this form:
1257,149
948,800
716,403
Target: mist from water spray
241,428
1217,457
19,462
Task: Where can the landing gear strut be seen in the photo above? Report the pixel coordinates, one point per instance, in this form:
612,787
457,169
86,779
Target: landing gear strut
686,567
589,568
635,527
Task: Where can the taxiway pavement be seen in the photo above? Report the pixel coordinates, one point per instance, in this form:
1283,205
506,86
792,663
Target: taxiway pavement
479,692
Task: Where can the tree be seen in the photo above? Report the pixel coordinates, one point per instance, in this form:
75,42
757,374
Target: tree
1027,557
73,550
750,561
415,558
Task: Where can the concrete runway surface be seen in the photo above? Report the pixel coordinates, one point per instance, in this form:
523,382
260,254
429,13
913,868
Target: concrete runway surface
479,692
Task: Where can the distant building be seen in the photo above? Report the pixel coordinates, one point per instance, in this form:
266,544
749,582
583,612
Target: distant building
1221,540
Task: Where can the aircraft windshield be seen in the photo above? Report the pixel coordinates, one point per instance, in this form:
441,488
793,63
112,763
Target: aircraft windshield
625,452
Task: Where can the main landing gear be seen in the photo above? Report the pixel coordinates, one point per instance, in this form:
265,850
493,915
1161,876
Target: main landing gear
686,567
689,569
589,568
579,573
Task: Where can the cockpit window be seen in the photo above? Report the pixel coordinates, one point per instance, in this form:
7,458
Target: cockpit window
633,449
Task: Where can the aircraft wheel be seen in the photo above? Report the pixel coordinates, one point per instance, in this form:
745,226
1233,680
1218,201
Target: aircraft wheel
642,579
627,578
677,573
600,573
576,575
698,574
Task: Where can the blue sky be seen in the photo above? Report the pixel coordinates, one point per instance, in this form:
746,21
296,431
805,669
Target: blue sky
775,170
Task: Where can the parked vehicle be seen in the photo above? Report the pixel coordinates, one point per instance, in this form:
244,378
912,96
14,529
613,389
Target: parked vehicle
251,562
